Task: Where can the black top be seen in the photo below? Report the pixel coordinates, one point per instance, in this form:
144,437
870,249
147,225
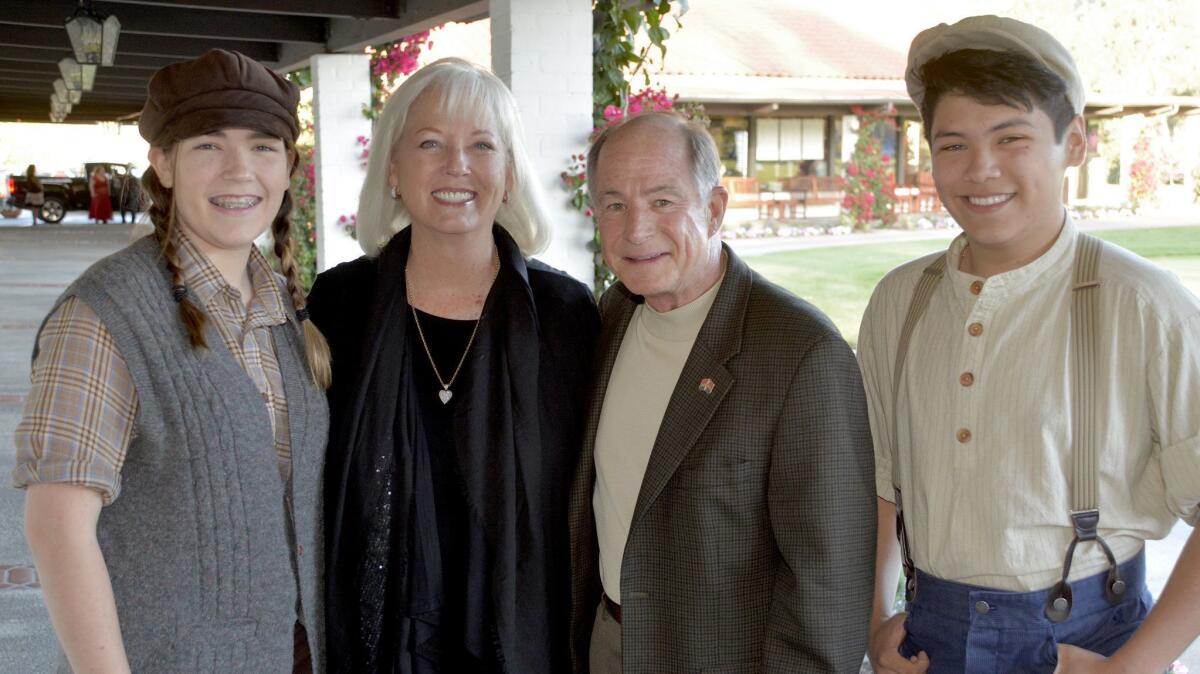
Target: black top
461,638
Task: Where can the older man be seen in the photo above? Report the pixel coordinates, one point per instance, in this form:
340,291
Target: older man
722,516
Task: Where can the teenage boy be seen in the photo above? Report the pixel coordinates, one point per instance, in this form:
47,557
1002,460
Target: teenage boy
1034,394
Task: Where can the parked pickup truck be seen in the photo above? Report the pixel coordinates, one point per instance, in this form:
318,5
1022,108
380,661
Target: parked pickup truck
72,194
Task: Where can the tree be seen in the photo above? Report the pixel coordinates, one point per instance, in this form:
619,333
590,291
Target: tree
1124,48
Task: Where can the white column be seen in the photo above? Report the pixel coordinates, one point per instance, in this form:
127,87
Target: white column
543,50
341,87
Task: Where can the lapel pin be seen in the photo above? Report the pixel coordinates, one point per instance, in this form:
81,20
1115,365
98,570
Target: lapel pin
707,386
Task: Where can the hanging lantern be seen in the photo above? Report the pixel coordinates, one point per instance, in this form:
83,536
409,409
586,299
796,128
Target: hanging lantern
93,36
59,106
65,94
77,77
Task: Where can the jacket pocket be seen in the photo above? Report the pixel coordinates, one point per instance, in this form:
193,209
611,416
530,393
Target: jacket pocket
743,668
698,475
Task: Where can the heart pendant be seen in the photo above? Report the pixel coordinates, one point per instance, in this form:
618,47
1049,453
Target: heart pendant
445,395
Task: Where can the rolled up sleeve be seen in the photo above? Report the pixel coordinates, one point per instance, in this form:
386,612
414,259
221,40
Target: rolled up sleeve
79,416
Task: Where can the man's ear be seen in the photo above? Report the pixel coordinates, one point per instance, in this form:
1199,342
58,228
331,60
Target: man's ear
718,200
1075,138
163,167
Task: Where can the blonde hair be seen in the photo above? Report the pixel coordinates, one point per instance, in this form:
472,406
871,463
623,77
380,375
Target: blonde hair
465,88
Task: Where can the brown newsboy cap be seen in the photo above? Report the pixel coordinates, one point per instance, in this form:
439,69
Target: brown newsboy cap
221,89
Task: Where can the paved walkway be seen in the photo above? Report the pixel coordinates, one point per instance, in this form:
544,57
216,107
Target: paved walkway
36,264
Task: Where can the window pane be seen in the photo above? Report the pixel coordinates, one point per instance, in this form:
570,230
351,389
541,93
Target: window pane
766,144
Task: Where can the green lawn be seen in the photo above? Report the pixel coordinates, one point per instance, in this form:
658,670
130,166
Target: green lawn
839,279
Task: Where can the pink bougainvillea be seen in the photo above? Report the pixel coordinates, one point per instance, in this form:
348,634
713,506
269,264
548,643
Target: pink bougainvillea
349,224
1147,169
870,182
646,99
399,58
575,179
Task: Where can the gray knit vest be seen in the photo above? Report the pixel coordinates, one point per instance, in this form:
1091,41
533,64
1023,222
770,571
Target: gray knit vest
197,544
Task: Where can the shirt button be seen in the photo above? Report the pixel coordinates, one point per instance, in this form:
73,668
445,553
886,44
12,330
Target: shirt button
966,379
963,435
975,329
976,287
299,550
982,607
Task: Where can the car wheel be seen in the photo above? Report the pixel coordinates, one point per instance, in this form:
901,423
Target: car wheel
53,210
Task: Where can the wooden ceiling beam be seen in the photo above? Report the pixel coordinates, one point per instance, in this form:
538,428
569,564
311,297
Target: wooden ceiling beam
352,9
171,21
37,37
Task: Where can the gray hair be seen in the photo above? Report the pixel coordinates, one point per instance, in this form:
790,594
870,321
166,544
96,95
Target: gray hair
465,88
702,150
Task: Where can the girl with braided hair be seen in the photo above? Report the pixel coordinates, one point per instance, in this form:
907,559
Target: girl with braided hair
172,444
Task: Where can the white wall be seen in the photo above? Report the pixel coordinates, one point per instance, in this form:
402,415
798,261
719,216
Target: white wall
341,87
543,50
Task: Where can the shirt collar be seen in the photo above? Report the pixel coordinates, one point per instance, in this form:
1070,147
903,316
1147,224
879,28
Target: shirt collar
680,324
1014,280
204,282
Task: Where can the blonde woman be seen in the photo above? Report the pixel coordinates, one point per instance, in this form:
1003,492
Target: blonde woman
460,369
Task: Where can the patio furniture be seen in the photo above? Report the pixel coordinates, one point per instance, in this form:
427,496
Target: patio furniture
815,191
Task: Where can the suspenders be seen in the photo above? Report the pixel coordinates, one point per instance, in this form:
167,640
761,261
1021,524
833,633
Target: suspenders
916,308
1085,508
1085,497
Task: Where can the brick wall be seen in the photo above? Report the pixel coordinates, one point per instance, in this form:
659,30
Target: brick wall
543,50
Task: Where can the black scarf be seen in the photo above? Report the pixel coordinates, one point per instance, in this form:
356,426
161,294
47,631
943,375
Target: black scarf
371,484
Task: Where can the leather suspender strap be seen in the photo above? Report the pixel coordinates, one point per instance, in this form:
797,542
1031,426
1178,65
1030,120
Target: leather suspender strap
916,308
1085,467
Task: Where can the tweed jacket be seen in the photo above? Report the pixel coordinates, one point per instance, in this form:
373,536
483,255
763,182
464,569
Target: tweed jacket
752,543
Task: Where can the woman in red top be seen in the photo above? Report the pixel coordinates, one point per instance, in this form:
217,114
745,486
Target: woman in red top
100,210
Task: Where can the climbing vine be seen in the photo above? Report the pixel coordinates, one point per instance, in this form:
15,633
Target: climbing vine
616,57
617,60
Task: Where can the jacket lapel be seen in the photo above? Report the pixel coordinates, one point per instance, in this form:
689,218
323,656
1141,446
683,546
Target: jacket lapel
702,385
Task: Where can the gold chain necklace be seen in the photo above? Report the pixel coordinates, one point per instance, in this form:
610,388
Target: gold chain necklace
445,394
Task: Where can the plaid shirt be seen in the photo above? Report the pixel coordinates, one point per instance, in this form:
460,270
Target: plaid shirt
79,416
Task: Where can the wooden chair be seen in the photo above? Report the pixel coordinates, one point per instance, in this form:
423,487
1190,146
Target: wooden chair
816,191
743,192
928,200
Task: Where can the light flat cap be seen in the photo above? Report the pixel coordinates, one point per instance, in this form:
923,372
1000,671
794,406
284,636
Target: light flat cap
996,33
